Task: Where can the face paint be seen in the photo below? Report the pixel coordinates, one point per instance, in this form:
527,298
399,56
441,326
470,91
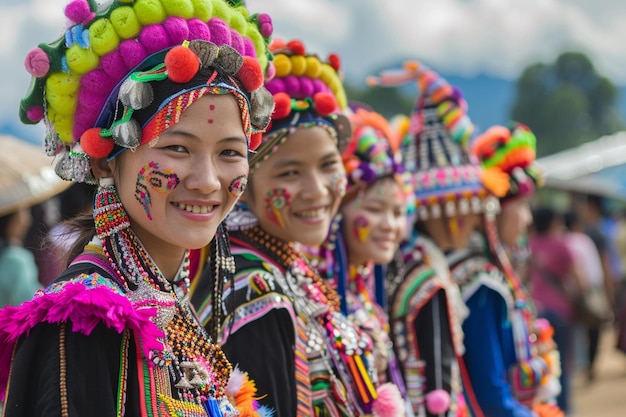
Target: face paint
361,228
238,186
211,108
338,183
276,200
161,181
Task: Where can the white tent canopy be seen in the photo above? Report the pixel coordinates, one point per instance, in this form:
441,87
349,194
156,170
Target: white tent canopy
597,167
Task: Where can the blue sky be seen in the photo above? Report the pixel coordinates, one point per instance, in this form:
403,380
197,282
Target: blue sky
457,37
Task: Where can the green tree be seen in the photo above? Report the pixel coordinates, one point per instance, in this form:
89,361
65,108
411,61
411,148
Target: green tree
566,103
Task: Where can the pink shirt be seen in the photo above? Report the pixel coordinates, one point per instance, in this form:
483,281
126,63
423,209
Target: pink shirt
552,255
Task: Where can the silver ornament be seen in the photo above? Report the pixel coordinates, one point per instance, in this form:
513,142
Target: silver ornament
206,51
229,59
135,94
127,134
262,108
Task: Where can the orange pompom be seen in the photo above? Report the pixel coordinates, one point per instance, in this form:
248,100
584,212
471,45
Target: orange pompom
250,74
255,140
277,43
496,181
334,61
95,145
182,64
324,103
282,106
297,47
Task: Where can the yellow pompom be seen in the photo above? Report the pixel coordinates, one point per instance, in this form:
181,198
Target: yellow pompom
149,12
238,22
259,45
62,125
182,8
202,9
327,74
125,22
298,65
103,37
221,10
81,60
63,104
62,83
313,67
342,99
283,65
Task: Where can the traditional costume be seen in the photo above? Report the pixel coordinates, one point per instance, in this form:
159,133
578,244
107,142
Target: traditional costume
425,307
111,336
509,357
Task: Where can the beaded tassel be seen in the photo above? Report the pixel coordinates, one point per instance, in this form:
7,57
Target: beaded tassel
108,212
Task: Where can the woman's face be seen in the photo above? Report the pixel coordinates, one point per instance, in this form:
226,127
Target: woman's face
297,190
179,187
374,223
513,221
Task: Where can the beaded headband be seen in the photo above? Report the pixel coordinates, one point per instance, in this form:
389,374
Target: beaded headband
372,153
446,177
507,155
77,77
307,92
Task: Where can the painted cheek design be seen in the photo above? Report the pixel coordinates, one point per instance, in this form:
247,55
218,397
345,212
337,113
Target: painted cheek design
238,186
151,176
361,228
339,182
276,200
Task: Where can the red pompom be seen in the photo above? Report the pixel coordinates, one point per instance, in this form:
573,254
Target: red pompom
182,64
95,145
250,74
296,47
334,61
282,105
255,140
324,103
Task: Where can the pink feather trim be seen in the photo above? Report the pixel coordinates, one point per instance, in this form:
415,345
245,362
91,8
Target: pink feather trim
235,382
389,402
85,307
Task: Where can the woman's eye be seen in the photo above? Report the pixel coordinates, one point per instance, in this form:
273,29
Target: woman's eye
177,148
330,164
285,174
232,153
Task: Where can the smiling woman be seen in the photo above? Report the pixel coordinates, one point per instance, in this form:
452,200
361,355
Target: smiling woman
311,359
116,334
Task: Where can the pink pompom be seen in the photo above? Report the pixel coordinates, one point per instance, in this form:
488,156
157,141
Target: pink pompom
437,401
154,38
220,32
198,30
389,402
306,87
249,47
78,11
35,113
292,86
37,62
113,65
275,86
320,87
177,29
97,82
236,41
132,52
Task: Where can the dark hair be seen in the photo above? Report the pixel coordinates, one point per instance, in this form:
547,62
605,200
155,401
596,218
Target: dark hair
4,224
571,220
543,219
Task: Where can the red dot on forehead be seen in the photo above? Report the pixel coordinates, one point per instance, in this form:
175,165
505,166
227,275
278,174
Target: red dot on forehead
211,106
210,121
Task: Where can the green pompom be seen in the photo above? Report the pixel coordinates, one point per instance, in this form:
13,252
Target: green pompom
202,9
125,22
238,22
182,8
103,37
221,10
81,60
149,12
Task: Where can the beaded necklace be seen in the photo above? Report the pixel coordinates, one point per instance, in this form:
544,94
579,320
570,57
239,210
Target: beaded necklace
189,361
349,347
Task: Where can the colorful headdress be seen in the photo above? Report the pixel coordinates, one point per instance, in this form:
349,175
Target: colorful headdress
372,152
307,92
446,177
507,155
100,74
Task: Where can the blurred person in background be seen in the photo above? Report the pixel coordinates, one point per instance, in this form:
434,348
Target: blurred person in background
555,281
590,267
18,271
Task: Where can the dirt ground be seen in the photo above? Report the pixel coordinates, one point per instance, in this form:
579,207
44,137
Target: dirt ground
606,396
